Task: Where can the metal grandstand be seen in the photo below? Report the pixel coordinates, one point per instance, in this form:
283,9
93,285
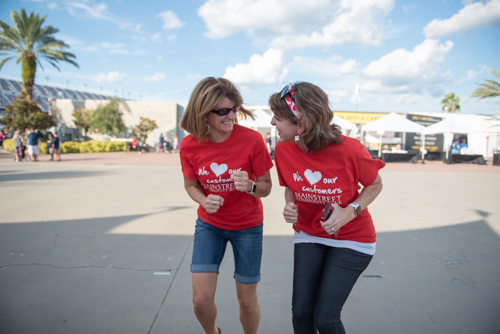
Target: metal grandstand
9,89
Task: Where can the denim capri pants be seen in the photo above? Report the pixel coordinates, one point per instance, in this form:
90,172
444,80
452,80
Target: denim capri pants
210,245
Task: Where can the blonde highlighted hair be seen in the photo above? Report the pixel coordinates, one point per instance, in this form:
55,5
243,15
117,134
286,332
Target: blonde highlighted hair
312,103
205,97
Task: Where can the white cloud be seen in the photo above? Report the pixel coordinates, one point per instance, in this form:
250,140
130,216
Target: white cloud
336,95
472,16
155,77
406,71
170,20
334,66
265,69
52,5
156,37
470,75
409,98
331,22
192,76
409,8
360,22
248,15
95,10
160,58
111,77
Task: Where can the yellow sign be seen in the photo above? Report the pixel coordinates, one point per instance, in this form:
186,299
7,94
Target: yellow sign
359,117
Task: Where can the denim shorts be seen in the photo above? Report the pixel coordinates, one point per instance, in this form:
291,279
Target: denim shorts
210,245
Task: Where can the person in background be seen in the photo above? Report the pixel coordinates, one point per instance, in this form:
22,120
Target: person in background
135,143
321,169
160,148
463,144
455,146
50,150
18,141
55,148
2,137
226,171
176,144
32,141
269,144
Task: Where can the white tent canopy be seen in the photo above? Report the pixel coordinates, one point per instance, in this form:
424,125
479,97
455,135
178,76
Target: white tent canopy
454,125
262,120
393,123
345,125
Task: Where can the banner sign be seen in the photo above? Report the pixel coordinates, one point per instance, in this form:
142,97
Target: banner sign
433,143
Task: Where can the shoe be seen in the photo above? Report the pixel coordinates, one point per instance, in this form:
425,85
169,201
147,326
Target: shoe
220,331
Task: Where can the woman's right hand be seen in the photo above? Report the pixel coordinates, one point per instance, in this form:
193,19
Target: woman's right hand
291,213
213,203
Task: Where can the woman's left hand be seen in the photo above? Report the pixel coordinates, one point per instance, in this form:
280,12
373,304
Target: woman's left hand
340,217
241,180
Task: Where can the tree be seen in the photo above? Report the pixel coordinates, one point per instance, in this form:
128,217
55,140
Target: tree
31,42
451,103
144,127
81,118
23,114
107,119
489,89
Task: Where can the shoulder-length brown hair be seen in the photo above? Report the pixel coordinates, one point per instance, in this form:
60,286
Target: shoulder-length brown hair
312,103
207,94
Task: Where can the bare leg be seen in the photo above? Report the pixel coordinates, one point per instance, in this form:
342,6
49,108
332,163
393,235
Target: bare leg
204,286
249,307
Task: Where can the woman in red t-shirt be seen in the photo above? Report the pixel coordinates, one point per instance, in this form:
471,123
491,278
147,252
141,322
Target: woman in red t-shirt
226,171
320,168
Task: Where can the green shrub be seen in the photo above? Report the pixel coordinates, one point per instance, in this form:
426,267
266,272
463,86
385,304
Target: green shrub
8,145
42,148
93,146
116,146
69,147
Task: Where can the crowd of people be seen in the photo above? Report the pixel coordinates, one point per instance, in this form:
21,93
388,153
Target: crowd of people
26,144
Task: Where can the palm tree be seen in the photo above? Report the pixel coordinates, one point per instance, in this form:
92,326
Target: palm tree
489,89
31,42
451,103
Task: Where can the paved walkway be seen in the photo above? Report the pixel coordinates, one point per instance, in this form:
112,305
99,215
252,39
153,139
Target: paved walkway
101,243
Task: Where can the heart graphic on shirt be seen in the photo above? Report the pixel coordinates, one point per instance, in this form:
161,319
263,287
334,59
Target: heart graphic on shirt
218,169
312,177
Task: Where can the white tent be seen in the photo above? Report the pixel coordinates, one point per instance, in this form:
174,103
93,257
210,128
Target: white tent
344,125
262,120
391,123
454,125
449,125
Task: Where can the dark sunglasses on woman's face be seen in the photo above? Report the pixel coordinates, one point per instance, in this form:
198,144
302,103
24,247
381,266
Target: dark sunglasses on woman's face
225,111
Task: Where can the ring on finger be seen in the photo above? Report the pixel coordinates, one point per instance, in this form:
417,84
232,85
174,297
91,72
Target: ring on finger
214,203
333,229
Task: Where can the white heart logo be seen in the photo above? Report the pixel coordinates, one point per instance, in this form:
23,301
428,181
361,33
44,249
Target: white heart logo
312,177
218,169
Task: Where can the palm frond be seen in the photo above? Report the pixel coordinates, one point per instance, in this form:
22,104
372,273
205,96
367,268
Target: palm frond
3,61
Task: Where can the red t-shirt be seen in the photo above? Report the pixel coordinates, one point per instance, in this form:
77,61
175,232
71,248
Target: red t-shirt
213,163
332,175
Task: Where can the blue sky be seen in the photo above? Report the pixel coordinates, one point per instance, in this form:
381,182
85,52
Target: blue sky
404,55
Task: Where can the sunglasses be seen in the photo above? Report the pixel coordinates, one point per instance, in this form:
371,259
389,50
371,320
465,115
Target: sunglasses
288,90
225,111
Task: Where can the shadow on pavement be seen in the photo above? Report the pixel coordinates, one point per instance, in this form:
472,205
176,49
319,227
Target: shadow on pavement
75,277
5,177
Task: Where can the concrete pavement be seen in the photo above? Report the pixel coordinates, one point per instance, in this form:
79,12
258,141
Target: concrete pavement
101,243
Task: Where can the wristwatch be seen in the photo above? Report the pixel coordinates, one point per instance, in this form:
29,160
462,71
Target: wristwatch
357,208
254,187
